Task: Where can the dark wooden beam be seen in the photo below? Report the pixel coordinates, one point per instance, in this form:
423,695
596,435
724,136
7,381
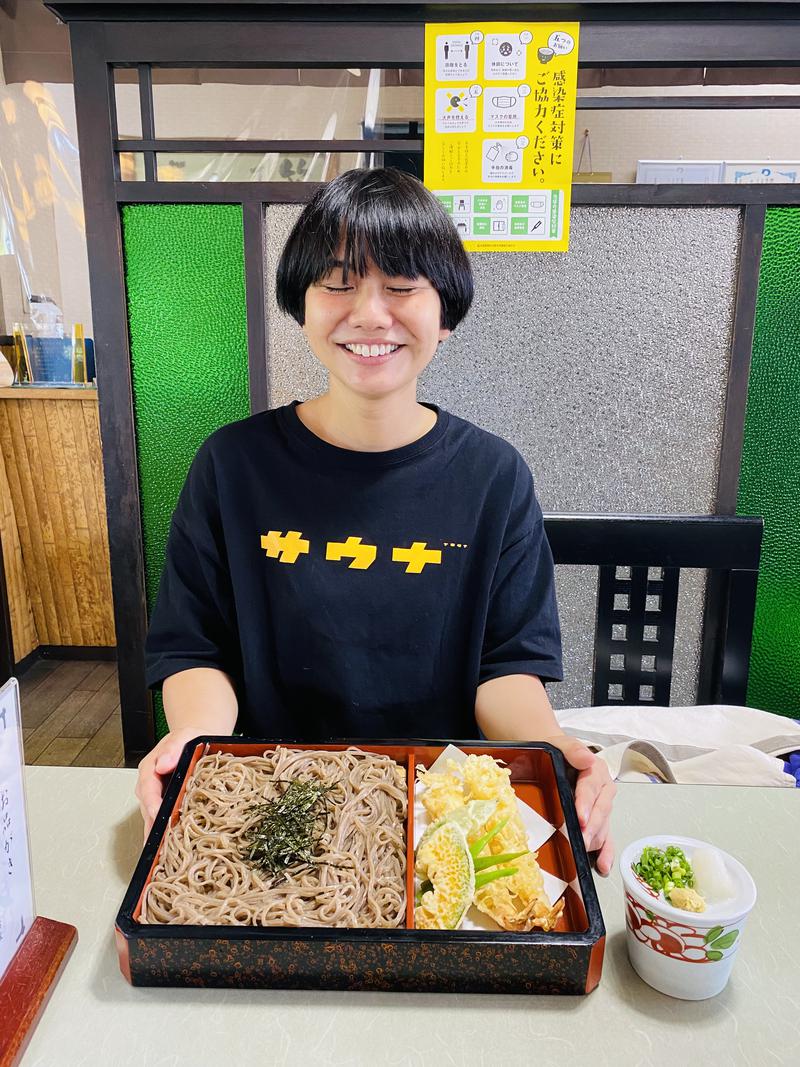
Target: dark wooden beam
254,259
332,37
95,109
686,103
173,144
131,192
744,317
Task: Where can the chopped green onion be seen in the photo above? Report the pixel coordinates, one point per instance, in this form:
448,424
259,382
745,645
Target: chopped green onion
665,869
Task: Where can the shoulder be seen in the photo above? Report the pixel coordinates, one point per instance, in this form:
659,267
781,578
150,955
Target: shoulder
243,433
221,457
491,453
222,454
501,477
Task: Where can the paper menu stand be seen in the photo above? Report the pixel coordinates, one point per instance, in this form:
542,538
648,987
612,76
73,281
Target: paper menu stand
33,950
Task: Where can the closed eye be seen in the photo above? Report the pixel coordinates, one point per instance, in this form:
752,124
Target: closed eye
395,290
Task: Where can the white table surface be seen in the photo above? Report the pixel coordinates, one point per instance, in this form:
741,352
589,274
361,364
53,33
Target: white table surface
85,840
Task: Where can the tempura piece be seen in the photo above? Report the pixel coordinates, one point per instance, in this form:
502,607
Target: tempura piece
443,858
518,902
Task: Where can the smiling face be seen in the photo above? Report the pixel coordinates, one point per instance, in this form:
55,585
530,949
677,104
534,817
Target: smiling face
376,333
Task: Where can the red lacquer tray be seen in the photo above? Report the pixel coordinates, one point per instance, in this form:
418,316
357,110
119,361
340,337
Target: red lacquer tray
565,960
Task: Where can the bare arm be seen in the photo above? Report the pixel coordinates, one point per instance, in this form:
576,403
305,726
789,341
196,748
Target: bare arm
201,696
197,701
516,708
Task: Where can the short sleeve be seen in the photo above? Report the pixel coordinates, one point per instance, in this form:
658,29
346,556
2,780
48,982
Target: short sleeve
523,634
193,622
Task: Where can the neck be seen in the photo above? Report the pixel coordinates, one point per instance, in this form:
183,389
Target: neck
366,425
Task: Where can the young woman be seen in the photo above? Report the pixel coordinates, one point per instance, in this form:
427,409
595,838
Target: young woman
363,565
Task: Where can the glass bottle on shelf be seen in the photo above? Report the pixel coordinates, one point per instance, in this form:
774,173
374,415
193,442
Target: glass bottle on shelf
78,354
22,371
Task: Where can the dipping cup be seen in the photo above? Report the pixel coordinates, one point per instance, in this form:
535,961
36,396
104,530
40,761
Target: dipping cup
684,954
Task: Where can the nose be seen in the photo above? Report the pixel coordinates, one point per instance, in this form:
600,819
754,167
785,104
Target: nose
370,308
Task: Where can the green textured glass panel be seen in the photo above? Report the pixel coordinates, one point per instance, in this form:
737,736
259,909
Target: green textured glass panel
770,479
184,271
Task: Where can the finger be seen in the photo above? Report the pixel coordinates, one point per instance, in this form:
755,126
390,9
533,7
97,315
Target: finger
170,749
576,753
605,858
167,760
587,790
149,791
597,826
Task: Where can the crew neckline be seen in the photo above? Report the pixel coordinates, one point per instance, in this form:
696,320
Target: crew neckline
297,430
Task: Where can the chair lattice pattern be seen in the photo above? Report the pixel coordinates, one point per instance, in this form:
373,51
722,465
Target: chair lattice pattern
635,635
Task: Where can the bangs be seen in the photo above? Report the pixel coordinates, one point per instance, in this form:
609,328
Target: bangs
388,234
382,216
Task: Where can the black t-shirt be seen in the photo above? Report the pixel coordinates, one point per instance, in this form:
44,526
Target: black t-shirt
356,594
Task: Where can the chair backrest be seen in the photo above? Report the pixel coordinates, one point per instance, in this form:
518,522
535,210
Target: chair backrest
639,559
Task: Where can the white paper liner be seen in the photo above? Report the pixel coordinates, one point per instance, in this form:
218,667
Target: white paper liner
538,829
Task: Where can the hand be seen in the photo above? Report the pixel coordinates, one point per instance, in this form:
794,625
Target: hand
594,794
156,768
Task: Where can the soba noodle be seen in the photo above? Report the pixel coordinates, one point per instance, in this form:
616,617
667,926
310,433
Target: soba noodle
359,875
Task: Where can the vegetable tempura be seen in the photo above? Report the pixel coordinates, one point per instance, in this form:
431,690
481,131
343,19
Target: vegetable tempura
518,902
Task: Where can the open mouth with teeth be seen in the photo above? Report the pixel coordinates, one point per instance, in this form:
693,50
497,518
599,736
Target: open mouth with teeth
371,351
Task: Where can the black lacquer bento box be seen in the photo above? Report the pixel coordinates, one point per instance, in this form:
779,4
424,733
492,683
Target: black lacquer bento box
567,960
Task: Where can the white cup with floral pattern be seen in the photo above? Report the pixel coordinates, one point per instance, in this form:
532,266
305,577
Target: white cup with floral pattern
682,953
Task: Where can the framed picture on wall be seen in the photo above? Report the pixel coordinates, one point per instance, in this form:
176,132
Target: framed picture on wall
678,171
764,173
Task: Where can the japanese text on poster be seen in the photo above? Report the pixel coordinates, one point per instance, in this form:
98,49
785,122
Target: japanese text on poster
16,892
500,129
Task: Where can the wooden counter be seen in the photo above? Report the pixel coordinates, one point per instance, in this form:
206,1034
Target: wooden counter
53,519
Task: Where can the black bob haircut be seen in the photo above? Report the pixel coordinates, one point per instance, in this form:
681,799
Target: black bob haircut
385,215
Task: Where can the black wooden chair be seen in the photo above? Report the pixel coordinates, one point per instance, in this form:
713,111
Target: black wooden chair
639,559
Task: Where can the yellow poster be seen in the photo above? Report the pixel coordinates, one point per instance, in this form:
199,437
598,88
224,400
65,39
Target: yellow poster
500,129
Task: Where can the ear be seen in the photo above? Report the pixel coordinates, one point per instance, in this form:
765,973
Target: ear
444,334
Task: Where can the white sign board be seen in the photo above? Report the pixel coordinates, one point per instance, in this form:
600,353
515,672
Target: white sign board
699,171
755,173
16,888
678,171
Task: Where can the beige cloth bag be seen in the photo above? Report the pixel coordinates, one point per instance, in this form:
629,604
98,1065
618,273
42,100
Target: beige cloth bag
712,744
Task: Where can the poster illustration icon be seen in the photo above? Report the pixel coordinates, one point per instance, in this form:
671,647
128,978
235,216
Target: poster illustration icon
562,43
504,57
456,57
455,110
501,161
503,111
